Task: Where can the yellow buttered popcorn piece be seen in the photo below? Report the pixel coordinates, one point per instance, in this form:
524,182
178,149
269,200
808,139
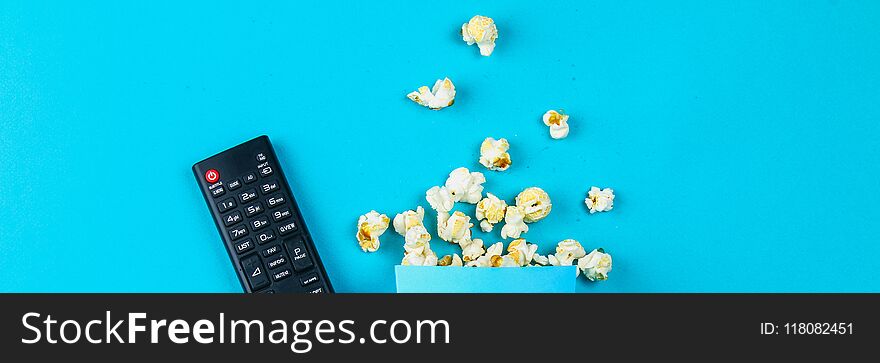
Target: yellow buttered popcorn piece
490,210
408,219
596,265
558,123
454,228
566,252
370,227
482,31
471,249
440,96
535,203
494,155
521,251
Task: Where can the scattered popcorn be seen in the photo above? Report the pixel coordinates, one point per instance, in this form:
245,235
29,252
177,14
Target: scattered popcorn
558,123
566,252
417,248
440,199
481,30
494,155
406,220
450,260
595,265
442,95
465,186
535,202
370,227
492,253
455,227
490,210
471,248
513,222
600,200
521,251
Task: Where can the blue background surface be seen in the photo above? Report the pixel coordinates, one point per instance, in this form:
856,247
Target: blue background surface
741,137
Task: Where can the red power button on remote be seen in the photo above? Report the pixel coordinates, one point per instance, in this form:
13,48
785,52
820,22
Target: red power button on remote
212,176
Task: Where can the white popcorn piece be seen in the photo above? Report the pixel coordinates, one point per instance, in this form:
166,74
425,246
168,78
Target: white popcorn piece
465,186
417,248
600,200
541,260
471,249
481,30
440,199
425,258
494,155
521,251
450,260
408,219
490,210
595,265
535,202
440,96
492,258
454,228
558,123
566,252
370,227
514,224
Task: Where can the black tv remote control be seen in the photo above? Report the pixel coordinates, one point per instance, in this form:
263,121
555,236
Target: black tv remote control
259,221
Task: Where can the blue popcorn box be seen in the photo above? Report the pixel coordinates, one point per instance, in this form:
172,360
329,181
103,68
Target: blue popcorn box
447,279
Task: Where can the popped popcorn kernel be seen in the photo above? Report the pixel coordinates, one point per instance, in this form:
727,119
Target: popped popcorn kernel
481,30
417,248
535,202
450,260
600,200
455,227
471,249
514,225
490,210
370,227
595,265
465,186
440,96
440,199
408,219
494,155
521,251
566,252
558,123
486,260
541,260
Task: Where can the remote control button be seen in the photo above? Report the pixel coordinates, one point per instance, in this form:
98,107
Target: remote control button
275,201
261,157
253,270
247,195
297,249
259,223
277,262
232,218
212,176
253,209
266,171
245,246
281,214
218,191
271,250
281,275
269,187
250,178
287,228
238,232
317,291
265,237
233,185
308,279
226,205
